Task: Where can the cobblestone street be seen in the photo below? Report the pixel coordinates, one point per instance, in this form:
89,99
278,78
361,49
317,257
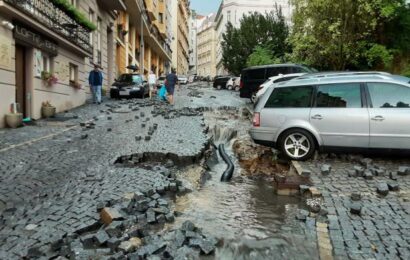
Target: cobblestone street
53,176
368,205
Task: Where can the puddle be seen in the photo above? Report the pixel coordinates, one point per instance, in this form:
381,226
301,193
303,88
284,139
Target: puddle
245,213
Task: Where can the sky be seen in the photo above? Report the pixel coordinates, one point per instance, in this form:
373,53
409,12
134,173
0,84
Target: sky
205,7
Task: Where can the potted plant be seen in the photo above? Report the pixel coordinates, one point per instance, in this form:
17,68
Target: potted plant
49,78
14,120
75,84
47,110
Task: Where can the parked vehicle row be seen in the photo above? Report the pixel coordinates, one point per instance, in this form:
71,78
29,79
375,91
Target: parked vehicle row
226,82
345,110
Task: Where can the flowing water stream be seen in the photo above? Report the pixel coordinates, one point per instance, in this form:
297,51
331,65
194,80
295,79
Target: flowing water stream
253,222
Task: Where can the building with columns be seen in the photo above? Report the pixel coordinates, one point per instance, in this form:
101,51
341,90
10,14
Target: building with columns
233,10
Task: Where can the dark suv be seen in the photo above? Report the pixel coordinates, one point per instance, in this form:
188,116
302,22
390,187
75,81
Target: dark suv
253,77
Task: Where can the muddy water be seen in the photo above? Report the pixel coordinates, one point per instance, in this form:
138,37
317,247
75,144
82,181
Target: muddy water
253,222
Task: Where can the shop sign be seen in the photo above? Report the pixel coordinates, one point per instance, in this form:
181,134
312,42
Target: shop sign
34,39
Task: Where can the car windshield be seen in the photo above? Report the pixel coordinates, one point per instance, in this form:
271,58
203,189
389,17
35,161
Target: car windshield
130,78
161,78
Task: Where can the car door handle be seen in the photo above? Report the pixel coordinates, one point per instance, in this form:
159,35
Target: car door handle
318,117
378,118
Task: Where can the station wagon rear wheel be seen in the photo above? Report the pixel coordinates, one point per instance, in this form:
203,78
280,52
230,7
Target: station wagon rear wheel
297,144
219,87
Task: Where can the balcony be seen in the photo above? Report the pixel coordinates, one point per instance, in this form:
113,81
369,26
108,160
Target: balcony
111,5
151,9
55,19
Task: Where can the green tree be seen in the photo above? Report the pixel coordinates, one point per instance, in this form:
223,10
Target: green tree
268,31
260,56
348,34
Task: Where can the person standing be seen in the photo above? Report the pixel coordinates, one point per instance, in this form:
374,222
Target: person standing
170,81
95,80
152,81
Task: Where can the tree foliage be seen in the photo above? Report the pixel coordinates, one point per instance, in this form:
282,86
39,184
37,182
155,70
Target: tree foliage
268,32
260,56
350,34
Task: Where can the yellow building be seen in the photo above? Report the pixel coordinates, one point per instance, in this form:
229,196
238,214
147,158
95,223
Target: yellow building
180,28
141,37
206,46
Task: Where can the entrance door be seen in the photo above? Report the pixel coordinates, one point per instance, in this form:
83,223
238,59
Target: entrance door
21,79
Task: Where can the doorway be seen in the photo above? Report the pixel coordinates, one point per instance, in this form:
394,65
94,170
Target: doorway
21,90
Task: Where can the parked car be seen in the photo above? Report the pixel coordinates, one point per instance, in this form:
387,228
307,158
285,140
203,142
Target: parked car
353,110
237,83
253,77
220,82
183,80
129,85
231,83
270,83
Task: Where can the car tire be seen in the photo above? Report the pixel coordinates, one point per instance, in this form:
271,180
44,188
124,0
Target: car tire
229,87
219,87
237,88
297,144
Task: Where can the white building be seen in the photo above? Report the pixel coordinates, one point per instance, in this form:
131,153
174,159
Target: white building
195,21
206,44
233,10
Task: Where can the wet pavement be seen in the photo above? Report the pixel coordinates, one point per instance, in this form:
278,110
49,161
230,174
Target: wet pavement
56,174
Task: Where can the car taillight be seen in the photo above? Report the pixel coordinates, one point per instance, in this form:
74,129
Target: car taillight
256,120
241,84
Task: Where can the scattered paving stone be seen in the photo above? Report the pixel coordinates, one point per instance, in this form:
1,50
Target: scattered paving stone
403,171
383,189
356,196
356,208
130,245
101,237
306,173
138,138
393,186
314,207
109,129
84,136
359,171
302,215
393,176
108,215
147,138
188,226
368,175
325,169
31,227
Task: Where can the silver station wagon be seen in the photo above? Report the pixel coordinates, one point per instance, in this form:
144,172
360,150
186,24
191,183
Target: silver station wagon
348,110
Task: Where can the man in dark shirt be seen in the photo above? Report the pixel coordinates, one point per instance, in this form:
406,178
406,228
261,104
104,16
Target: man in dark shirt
170,82
95,80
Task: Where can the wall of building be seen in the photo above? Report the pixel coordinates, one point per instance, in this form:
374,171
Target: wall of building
233,10
206,41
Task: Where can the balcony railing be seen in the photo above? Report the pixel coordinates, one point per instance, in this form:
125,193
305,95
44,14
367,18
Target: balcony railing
55,19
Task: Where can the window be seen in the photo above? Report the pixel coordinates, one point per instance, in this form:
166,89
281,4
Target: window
161,17
271,72
73,2
385,95
229,16
346,95
46,63
73,73
290,97
256,74
91,18
99,41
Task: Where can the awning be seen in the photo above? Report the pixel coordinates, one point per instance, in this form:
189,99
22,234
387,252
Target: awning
112,5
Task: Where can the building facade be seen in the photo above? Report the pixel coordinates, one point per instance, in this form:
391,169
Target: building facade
141,38
46,54
233,10
206,41
180,35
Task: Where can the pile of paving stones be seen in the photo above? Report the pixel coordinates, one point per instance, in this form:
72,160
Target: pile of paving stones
128,227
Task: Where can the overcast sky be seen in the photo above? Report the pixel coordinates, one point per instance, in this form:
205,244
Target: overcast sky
205,7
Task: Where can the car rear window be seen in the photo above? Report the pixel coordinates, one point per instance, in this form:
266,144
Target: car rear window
290,97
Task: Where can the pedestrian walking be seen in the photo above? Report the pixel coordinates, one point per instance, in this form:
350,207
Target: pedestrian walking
170,82
95,80
152,81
